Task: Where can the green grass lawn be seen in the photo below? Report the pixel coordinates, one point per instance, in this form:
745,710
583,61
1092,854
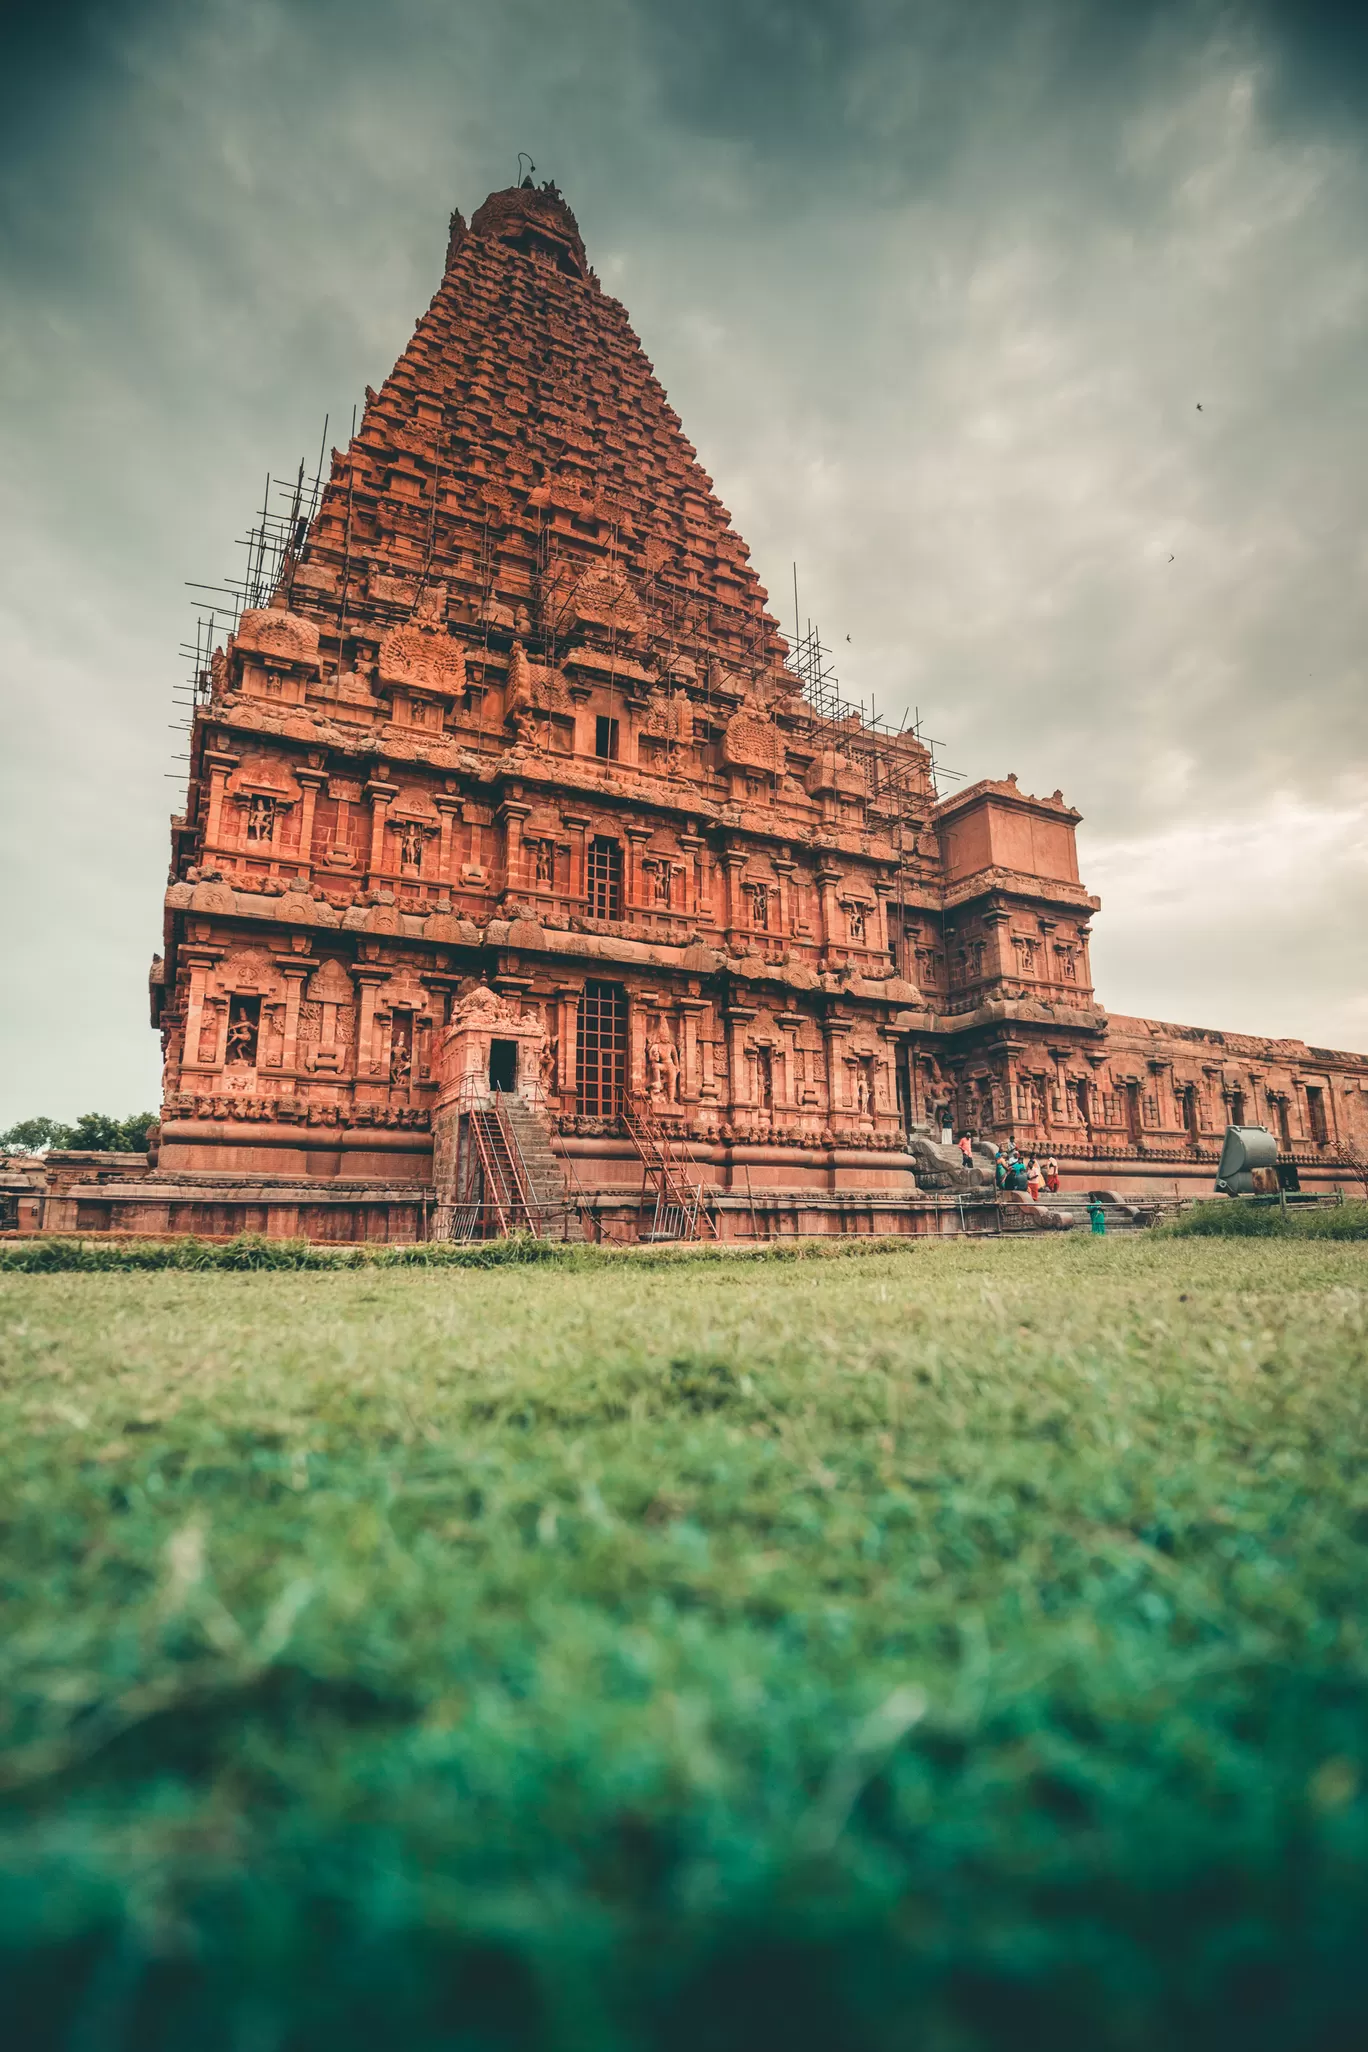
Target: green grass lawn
956,1647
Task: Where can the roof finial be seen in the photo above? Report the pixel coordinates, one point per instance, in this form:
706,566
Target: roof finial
525,178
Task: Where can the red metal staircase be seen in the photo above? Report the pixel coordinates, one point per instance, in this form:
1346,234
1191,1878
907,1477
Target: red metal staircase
506,1178
507,1197
680,1191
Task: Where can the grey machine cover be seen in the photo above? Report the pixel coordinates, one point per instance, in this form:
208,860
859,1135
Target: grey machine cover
1246,1148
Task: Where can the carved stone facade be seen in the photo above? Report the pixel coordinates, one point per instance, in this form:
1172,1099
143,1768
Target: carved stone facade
518,723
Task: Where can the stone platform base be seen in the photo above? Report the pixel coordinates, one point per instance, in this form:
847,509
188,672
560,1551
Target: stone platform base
759,1193
123,1195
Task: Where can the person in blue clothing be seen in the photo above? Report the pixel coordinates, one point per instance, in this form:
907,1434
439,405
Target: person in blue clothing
1097,1216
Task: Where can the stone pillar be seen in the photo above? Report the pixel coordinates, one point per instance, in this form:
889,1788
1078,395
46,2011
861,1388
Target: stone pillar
311,782
880,934
449,811
908,1054
568,1036
368,1066
791,1025
885,1076
829,912
997,928
785,872
738,1082
511,815
636,1048
220,765
199,962
834,1033
691,846
690,1081
708,1091
733,865
577,825
634,898
295,973
381,796
1009,1071
215,1014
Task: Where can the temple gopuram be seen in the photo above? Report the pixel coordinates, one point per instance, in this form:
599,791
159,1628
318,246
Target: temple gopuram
518,868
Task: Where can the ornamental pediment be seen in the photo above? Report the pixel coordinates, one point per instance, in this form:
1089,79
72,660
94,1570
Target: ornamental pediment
605,600
264,776
413,803
421,655
273,632
753,742
669,716
834,772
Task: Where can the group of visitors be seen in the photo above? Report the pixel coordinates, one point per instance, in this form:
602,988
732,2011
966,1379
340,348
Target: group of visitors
1012,1171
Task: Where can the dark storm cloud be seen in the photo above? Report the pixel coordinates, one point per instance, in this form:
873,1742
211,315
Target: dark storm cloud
1320,59
937,289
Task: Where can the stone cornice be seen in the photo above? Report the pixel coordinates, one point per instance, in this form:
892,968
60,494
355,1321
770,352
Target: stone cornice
1004,792
1015,883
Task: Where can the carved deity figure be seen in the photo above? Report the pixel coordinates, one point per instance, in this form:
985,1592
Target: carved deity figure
261,819
242,1040
401,1065
662,1059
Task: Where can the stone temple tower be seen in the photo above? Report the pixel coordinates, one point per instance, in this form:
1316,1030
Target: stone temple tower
517,722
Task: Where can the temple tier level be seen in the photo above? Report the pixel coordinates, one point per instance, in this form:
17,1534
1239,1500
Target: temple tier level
517,742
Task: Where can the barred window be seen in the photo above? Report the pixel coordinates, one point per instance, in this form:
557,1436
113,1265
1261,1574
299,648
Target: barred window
601,1050
605,878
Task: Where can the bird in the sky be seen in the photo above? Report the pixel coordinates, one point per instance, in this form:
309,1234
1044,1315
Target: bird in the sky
1199,406
1170,559
847,637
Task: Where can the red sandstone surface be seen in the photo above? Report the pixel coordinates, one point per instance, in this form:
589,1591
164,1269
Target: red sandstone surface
518,718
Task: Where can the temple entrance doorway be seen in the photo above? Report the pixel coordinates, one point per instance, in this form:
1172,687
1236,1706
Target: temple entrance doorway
503,1064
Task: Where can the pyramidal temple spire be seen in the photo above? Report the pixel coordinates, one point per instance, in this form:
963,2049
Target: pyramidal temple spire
522,445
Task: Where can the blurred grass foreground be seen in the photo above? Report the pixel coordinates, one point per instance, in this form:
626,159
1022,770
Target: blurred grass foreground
959,1647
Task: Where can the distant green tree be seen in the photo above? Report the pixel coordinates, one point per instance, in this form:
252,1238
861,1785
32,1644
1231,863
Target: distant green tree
33,1136
93,1130
100,1133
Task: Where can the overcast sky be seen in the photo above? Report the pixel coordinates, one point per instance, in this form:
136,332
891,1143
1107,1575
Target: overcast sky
1037,334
